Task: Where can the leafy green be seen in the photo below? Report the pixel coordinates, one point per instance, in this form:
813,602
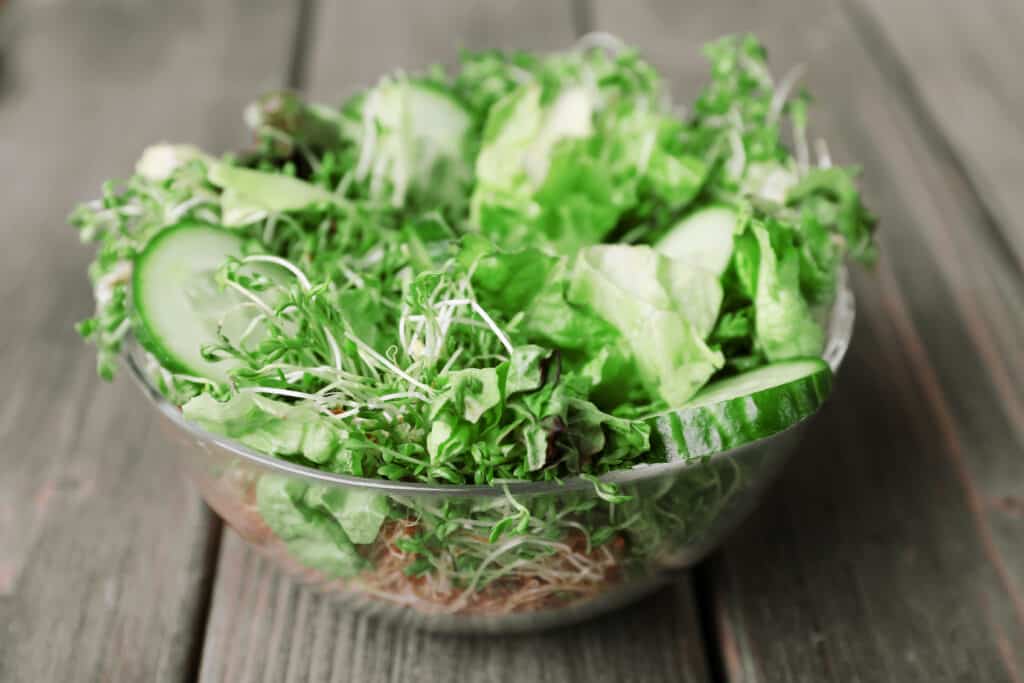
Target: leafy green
312,536
445,311
448,280
564,157
785,327
360,513
663,308
266,425
248,195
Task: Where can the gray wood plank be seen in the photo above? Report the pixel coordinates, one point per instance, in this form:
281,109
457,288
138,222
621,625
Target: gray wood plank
105,553
262,627
265,628
890,550
353,47
972,50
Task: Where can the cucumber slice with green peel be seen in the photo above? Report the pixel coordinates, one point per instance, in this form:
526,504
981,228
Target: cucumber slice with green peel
178,306
703,238
744,408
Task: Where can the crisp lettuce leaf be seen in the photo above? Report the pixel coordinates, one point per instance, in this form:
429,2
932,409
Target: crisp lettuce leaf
641,293
505,281
518,145
566,155
785,326
474,391
614,439
269,426
359,512
532,284
248,195
525,371
312,536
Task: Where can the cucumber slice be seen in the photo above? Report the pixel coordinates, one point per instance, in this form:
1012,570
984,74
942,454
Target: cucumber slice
178,307
703,238
744,408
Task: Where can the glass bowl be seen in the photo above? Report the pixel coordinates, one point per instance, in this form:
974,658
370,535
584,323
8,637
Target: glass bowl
562,551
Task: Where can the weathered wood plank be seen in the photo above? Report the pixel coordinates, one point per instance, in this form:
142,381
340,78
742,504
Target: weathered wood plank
262,627
353,47
890,550
105,553
265,628
962,67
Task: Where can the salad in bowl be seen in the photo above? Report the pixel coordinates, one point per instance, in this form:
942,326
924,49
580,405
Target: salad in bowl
492,347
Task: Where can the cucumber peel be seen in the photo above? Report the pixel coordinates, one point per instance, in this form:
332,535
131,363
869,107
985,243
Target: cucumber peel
741,409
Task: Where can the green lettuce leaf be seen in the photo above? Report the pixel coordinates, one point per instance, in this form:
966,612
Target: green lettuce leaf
830,195
785,327
474,391
662,307
359,512
268,426
566,155
519,141
312,536
524,371
249,195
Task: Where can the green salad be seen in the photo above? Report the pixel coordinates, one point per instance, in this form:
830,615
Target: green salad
530,267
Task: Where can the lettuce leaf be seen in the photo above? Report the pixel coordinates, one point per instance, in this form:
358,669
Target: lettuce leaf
663,308
785,327
312,536
249,195
359,512
265,425
567,155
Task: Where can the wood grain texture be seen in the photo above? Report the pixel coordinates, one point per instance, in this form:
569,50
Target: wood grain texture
104,551
354,46
963,65
891,549
264,629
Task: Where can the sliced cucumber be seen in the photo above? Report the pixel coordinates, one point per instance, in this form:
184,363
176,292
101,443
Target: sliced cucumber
744,408
178,307
703,238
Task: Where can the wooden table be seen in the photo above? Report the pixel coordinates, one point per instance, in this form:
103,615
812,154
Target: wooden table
891,550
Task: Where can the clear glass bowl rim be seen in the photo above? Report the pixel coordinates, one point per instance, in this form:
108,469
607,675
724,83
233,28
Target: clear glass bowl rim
839,332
